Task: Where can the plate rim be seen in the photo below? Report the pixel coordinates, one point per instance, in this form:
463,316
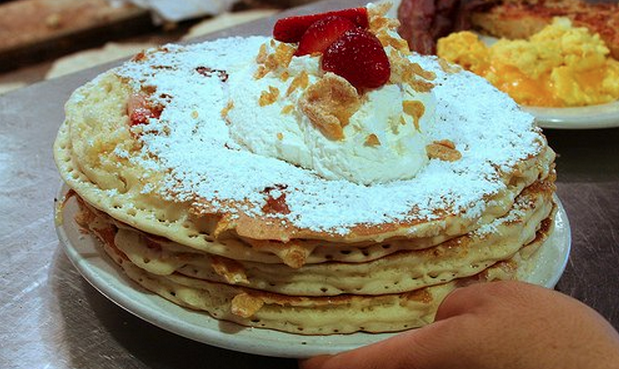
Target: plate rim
96,269
572,118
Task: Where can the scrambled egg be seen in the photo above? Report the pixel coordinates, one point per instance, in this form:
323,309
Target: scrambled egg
560,66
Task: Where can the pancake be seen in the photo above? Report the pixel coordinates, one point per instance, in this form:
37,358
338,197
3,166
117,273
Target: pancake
403,271
90,147
313,315
214,176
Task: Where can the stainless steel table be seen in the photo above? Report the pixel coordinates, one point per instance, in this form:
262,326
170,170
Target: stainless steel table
51,318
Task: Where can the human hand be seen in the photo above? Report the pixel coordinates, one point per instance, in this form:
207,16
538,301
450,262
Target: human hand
498,325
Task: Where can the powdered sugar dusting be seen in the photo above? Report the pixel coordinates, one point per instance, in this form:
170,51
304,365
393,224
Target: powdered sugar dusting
517,214
191,143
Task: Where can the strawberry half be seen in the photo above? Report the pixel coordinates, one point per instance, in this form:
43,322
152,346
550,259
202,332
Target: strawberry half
359,57
140,111
323,33
291,29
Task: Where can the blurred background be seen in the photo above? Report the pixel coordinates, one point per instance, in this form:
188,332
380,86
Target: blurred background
44,39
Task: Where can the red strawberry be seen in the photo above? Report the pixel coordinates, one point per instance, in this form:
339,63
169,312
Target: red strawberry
323,33
359,57
291,29
140,110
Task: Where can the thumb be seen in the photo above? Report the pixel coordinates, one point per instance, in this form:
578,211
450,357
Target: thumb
408,350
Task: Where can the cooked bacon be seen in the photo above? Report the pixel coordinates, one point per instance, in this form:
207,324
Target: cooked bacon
424,21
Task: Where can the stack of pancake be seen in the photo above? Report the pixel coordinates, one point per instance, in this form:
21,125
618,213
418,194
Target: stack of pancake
193,216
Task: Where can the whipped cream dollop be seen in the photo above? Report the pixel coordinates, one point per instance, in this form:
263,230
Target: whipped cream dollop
285,106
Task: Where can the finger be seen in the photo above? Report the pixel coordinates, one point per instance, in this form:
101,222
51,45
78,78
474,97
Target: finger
411,350
378,355
315,362
420,348
459,302
415,349
477,298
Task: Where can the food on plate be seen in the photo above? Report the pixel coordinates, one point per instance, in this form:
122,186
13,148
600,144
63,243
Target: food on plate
559,66
521,19
348,188
425,21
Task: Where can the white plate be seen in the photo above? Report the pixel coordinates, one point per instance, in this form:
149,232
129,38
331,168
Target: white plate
83,250
586,117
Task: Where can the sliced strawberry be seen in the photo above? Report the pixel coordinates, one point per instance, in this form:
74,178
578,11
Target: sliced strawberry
140,110
359,57
323,33
291,29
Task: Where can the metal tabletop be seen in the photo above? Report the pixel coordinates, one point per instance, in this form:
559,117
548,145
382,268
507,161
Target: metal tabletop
50,317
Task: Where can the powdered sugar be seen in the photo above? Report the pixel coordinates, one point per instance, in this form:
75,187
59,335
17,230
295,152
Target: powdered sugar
517,214
191,143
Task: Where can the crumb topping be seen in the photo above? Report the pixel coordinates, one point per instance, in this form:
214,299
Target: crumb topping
300,81
226,109
443,150
378,22
406,72
372,140
279,58
287,109
448,67
415,109
268,97
329,104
